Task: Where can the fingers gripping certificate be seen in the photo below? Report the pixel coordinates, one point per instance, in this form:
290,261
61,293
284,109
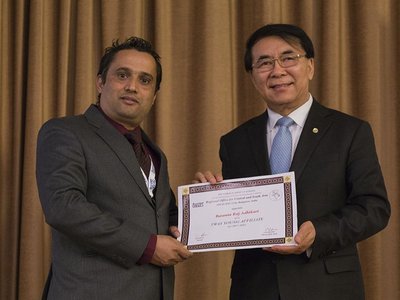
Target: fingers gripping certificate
253,212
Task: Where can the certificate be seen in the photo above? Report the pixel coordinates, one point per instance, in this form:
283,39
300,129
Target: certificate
253,212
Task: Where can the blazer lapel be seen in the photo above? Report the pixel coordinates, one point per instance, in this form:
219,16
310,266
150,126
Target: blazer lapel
162,183
258,146
314,129
119,145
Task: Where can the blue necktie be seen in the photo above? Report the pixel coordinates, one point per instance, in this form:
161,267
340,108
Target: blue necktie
281,149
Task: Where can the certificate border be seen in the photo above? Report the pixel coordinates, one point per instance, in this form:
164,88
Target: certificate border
233,185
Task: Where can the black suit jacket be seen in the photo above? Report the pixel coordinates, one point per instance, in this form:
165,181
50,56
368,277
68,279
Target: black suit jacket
95,199
340,189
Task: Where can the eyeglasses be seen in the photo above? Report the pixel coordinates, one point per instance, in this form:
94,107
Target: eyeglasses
285,61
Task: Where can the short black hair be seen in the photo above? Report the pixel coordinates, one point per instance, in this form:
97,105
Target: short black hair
289,33
134,43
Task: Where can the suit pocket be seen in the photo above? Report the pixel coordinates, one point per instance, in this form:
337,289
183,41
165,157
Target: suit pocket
323,159
338,264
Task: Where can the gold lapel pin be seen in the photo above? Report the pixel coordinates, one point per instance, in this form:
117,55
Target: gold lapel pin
315,130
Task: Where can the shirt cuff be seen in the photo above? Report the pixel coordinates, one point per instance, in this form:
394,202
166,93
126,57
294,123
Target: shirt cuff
149,251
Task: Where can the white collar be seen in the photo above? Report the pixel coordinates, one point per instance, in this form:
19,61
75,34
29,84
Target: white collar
299,115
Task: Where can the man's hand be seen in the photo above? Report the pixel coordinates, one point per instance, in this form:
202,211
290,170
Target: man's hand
207,176
169,251
174,231
304,238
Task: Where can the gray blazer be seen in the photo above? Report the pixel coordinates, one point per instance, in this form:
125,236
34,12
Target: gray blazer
340,188
95,199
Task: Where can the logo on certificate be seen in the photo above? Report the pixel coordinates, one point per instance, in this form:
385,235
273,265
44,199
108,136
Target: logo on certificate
275,195
198,204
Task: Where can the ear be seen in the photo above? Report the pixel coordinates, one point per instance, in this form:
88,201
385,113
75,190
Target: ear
99,84
252,77
253,80
154,97
310,68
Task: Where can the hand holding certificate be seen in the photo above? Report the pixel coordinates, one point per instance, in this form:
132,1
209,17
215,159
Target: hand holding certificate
253,212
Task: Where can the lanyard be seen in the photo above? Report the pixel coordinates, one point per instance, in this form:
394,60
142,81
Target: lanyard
151,182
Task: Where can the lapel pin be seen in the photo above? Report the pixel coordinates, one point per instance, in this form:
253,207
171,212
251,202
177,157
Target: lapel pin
315,130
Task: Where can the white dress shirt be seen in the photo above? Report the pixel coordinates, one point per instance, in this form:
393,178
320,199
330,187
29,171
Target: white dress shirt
299,117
